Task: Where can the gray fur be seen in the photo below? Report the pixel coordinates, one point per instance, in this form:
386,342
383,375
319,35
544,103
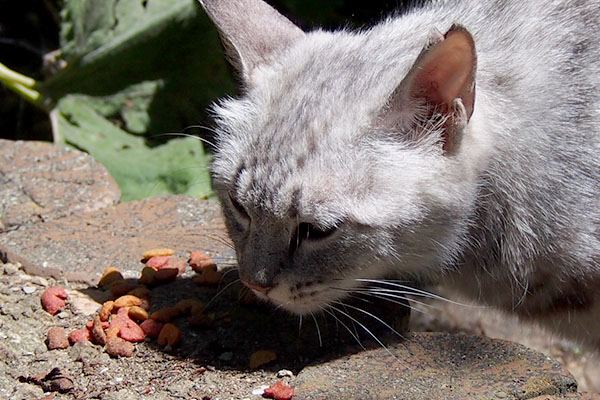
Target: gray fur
510,218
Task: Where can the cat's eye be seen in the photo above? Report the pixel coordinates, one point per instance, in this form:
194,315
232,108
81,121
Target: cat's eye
307,231
239,208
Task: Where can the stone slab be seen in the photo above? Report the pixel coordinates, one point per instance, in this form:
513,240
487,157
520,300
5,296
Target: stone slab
41,181
79,247
437,366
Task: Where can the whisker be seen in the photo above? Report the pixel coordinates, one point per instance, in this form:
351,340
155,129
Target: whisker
221,291
185,135
318,329
414,291
354,335
374,317
300,324
364,327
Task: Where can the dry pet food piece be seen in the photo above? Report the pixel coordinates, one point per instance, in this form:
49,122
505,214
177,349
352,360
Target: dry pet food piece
141,292
190,306
53,299
152,328
166,275
138,313
57,338
157,252
117,347
165,314
177,263
209,276
199,260
90,325
80,335
169,335
119,288
157,262
106,310
110,276
202,321
112,332
127,301
279,391
147,277
98,331
129,329
261,357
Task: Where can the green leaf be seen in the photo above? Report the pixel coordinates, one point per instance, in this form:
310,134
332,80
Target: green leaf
179,166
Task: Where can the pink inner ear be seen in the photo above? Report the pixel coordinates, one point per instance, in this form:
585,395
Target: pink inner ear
447,72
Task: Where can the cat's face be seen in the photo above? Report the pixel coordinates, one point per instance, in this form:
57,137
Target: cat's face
334,167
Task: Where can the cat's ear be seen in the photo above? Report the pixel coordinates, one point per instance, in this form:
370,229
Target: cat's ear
439,88
251,31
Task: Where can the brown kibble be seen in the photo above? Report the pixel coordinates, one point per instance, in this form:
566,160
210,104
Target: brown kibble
169,335
186,306
199,261
57,338
127,301
151,327
147,276
90,325
106,309
261,357
157,252
141,292
165,314
209,276
98,331
80,335
110,276
138,313
165,275
120,288
117,347
202,321
53,299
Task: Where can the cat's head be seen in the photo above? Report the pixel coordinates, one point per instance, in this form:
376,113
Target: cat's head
344,158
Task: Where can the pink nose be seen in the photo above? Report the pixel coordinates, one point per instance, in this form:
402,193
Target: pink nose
258,288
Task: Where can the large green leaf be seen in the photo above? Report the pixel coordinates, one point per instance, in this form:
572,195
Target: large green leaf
179,166
109,45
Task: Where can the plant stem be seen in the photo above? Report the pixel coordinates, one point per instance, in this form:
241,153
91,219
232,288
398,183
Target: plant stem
21,84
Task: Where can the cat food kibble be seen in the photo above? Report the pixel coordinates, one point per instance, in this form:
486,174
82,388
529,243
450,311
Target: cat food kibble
169,335
152,328
127,301
110,276
117,347
53,299
138,313
261,357
106,310
80,335
57,338
279,391
157,252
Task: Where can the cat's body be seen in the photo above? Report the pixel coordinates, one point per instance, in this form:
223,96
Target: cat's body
354,155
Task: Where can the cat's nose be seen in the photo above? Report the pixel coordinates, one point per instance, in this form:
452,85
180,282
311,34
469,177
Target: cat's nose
257,287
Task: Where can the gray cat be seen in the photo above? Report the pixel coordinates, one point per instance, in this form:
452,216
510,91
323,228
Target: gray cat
456,144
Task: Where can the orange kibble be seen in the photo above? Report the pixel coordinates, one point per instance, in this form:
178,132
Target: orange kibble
169,335
113,331
261,357
106,309
199,261
186,306
157,252
209,276
138,313
110,275
165,314
127,301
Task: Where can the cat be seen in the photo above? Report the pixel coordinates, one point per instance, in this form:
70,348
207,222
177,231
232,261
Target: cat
456,144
